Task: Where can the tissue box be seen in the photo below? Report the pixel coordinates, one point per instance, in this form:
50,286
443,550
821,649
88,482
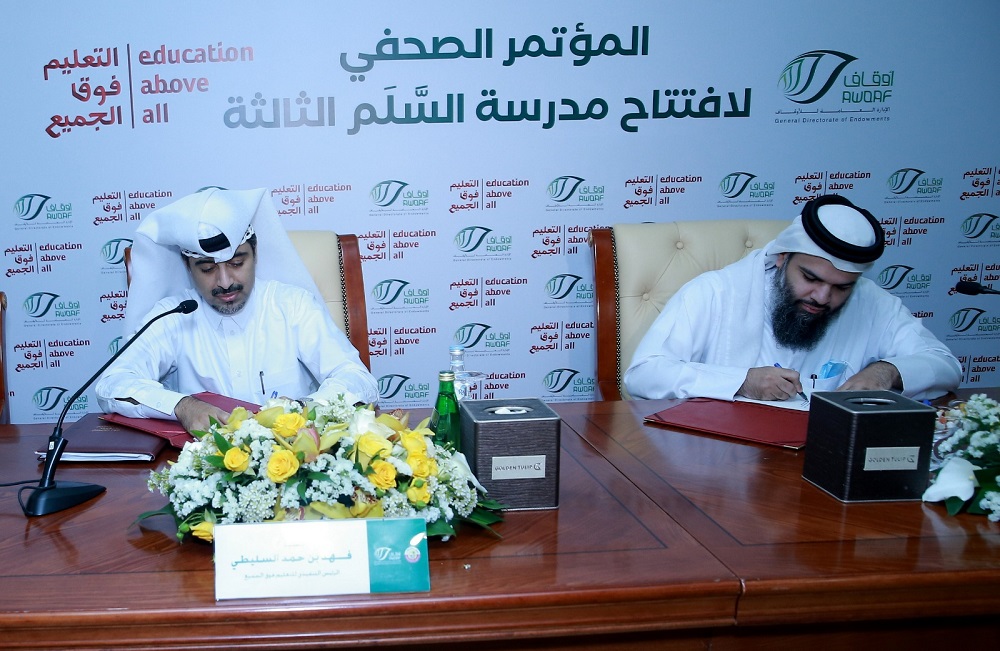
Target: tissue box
513,448
868,446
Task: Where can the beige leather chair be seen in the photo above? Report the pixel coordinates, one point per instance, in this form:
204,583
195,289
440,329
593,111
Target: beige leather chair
638,267
334,262
4,415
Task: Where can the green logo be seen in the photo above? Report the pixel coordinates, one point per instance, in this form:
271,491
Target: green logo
390,385
470,238
893,275
563,187
965,318
974,226
470,334
114,250
386,192
810,75
29,206
560,286
38,304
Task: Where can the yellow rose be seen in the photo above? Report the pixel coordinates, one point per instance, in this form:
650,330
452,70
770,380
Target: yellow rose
413,442
422,466
236,460
383,475
205,530
282,465
287,425
371,446
418,493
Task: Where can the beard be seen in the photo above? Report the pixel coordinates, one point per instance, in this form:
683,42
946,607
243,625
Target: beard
228,309
793,327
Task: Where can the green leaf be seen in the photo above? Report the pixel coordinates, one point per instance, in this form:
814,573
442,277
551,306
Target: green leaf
221,443
166,509
440,528
954,505
491,504
216,461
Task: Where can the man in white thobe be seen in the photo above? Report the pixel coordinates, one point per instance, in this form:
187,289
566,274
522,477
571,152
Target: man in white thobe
794,315
260,330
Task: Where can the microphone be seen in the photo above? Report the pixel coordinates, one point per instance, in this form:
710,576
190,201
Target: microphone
972,288
49,495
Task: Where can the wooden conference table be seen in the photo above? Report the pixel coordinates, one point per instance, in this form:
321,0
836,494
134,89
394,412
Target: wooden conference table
662,540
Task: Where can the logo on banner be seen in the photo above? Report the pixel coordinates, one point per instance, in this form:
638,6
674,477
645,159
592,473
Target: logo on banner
395,386
568,289
816,80
746,189
570,193
395,195
470,334
481,337
114,250
974,320
809,76
570,382
980,225
48,398
30,206
397,293
912,184
904,280
481,242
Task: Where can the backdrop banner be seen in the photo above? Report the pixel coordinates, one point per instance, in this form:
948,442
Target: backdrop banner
472,147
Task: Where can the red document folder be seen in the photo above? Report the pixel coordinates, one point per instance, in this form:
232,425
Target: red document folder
748,421
93,439
171,429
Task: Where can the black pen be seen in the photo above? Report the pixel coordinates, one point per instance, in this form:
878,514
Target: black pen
801,393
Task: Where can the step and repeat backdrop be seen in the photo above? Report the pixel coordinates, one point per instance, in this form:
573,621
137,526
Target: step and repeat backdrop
472,147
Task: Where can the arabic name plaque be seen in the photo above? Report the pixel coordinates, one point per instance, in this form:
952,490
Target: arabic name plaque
321,557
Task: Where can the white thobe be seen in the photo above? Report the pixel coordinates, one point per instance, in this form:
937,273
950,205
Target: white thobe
283,342
716,328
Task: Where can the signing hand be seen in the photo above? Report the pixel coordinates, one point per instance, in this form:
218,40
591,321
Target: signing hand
194,414
770,383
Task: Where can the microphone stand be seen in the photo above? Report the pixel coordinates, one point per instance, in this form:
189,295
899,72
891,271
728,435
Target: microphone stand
50,496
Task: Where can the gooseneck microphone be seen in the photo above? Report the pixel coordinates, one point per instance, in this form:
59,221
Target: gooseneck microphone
972,288
49,495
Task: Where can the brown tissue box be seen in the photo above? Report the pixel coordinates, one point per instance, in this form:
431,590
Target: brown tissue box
513,448
868,446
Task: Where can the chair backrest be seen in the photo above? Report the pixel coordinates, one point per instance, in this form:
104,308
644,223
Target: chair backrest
4,414
334,262
638,267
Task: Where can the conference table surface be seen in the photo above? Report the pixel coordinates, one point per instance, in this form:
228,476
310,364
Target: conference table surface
662,539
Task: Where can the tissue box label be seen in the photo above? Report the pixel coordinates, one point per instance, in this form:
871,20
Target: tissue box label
523,467
903,458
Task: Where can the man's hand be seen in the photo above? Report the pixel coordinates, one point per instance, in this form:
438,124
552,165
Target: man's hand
194,414
770,383
876,376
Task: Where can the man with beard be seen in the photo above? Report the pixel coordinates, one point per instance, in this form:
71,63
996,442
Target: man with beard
797,312
261,328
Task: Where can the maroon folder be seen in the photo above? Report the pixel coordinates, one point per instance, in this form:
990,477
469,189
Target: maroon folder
748,421
93,439
171,429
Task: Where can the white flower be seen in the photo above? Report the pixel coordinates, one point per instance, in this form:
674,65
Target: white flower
955,479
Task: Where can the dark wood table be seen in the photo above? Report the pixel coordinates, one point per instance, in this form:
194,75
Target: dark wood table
608,567
811,568
662,540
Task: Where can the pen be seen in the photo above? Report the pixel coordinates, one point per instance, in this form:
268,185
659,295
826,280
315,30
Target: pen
262,391
801,393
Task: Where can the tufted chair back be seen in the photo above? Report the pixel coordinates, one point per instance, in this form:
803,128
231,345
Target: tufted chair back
638,267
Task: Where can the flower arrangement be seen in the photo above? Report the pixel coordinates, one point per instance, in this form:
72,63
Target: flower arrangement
321,460
968,477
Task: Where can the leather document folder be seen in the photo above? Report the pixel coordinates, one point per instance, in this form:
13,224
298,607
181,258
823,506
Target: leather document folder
748,421
171,429
94,439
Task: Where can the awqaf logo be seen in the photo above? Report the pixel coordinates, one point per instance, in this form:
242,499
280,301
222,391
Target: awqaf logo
386,192
30,206
115,344
48,398
562,188
388,291
734,184
965,318
470,238
38,304
470,334
390,385
911,181
974,226
893,276
557,380
114,250
808,77
560,285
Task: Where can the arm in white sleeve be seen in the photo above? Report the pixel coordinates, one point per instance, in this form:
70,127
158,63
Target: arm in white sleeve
330,357
669,361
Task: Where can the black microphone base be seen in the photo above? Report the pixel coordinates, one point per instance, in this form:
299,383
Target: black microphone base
61,495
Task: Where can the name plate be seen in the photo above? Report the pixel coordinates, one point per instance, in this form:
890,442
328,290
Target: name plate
321,557
894,458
